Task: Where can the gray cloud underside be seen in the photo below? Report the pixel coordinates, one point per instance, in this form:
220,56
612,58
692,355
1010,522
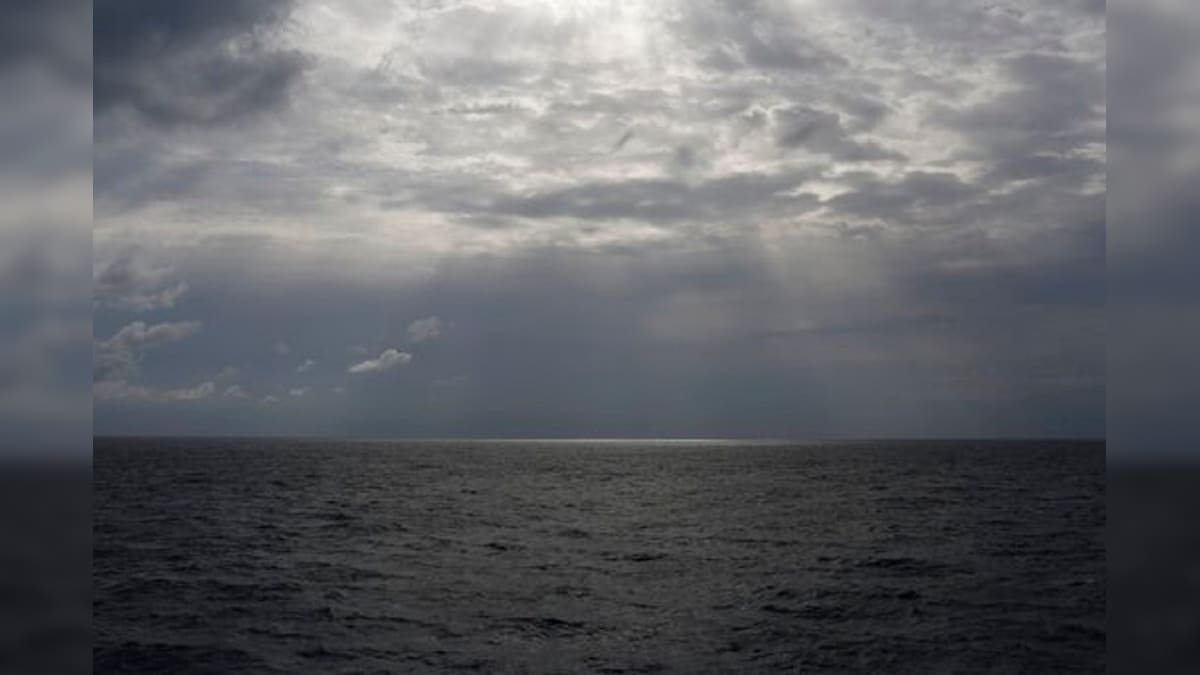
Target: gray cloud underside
191,62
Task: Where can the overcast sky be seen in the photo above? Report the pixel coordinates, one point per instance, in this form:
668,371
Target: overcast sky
815,218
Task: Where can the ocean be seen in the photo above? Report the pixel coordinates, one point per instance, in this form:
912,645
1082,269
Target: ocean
323,556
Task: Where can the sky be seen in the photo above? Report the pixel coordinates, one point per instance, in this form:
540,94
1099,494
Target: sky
584,218
45,229
1153,281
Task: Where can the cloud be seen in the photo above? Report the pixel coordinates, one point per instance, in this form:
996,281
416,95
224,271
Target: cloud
299,392
715,213
658,200
282,348
120,390
821,131
1051,111
918,197
191,62
234,391
729,36
129,282
118,356
139,335
306,366
389,359
422,330
117,361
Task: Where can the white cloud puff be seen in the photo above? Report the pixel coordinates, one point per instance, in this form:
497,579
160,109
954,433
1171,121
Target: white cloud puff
389,359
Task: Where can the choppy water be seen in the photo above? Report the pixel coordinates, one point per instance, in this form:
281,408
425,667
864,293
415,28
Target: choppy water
321,556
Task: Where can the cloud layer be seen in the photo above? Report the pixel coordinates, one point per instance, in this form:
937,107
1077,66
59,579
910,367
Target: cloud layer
702,217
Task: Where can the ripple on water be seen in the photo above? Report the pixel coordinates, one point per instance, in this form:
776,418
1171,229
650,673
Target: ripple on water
317,557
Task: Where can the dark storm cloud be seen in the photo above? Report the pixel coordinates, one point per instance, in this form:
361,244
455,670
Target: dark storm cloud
822,131
190,61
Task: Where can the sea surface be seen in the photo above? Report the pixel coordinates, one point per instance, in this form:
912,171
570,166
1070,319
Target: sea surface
321,556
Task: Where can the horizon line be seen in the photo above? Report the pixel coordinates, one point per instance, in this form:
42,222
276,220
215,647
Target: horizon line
596,439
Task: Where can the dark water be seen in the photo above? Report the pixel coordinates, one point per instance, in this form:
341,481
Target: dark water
1154,568
45,567
322,556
